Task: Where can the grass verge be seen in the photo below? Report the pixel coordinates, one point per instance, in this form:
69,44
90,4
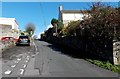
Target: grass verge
106,65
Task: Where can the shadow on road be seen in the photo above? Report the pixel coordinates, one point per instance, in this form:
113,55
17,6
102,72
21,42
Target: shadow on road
67,51
73,52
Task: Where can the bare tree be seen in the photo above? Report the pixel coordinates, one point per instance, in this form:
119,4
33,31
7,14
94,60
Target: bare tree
30,29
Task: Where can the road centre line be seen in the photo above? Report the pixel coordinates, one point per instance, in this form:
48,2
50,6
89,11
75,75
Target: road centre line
24,65
22,71
19,59
8,72
16,61
35,46
26,61
13,66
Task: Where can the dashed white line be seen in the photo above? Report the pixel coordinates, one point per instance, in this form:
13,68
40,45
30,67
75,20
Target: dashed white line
16,61
22,71
33,56
37,53
26,61
19,59
24,66
28,56
35,46
8,72
13,66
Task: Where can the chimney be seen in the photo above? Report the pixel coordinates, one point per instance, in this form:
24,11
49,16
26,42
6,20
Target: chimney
60,8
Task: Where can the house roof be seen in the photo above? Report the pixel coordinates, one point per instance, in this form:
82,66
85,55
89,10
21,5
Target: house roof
75,11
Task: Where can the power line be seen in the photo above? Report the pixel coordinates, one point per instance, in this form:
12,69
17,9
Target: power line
42,12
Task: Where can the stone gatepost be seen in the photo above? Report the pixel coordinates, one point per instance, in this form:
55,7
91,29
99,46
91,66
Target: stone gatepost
116,53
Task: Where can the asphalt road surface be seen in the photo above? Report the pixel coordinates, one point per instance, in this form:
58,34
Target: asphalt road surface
18,60
42,59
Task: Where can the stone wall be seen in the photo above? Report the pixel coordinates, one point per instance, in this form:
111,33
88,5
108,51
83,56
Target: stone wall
4,46
116,52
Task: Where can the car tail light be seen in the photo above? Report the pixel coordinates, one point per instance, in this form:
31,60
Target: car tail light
27,38
19,39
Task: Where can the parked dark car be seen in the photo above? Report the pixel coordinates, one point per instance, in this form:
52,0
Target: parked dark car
23,40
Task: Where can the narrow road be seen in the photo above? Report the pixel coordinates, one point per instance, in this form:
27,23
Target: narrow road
56,64
42,59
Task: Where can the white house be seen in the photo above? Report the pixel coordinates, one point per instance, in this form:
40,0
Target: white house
67,16
9,27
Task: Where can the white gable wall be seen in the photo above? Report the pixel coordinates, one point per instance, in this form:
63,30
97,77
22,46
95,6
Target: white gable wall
68,17
7,25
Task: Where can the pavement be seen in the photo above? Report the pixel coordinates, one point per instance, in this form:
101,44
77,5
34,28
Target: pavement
19,61
42,59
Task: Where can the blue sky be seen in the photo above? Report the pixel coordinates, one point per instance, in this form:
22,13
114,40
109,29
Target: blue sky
40,13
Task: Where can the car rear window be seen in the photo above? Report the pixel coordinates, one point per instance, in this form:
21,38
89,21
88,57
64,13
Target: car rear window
23,37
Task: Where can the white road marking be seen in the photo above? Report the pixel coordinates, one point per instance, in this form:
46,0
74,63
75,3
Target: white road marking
16,61
13,66
19,59
35,46
37,53
22,71
27,58
33,56
24,66
8,72
26,61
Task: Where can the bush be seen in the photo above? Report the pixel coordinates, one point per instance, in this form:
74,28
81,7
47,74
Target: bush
71,28
104,22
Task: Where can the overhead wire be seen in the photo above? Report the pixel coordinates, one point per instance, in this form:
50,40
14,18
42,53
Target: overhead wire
42,12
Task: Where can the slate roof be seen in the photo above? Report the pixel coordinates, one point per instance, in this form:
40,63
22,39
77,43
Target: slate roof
75,11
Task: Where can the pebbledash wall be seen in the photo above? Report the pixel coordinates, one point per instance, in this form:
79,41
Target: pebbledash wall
9,27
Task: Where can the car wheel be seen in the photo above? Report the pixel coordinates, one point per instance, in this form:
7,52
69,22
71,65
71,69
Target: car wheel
17,44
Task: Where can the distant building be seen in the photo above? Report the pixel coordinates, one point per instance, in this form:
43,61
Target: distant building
25,33
67,16
9,27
